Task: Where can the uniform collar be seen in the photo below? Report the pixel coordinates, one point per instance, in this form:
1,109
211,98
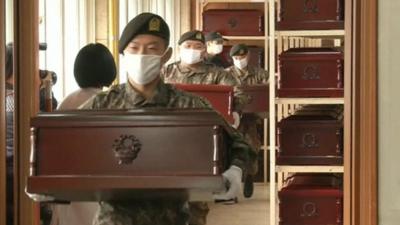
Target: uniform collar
160,98
243,75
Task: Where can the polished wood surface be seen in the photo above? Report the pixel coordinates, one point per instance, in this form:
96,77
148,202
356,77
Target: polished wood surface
311,199
220,97
311,72
127,154
234,22
311,15
26,35
364,155
259,98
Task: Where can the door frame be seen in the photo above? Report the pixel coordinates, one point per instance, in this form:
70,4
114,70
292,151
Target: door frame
364,125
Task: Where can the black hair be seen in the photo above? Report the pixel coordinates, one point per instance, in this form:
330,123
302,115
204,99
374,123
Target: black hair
9,60
94,66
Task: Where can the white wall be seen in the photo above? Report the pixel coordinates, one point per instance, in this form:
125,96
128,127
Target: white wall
389,112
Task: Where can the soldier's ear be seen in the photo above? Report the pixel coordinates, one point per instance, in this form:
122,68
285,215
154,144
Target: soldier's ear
167,55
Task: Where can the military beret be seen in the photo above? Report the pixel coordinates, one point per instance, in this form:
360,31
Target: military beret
238,49
193,35
144,23
214,36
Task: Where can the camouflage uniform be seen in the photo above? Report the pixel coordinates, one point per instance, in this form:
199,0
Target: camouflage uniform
161,211
206,74
250,123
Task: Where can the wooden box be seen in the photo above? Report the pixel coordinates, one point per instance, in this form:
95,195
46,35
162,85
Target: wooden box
234,22
310,140
311,72
220,97
259,98
256,56
311,200
113,155
310,15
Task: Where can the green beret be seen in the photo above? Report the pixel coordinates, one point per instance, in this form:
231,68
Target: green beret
214,36
193,35
144,23
239,49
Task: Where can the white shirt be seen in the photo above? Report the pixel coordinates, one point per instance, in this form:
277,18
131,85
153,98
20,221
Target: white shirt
77,98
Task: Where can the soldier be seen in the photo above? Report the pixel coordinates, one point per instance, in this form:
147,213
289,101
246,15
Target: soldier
241,71
192,69
250,122
215,45
144,46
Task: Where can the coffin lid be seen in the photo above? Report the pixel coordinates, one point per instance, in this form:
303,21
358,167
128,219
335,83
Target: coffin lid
313,51
132,117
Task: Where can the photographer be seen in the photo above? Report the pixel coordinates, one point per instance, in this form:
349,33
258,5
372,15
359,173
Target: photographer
47,80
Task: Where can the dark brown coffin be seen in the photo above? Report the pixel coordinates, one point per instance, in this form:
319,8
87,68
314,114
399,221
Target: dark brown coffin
256,56
220,97
311,200
311,72
259,98
234,22
311,15
89,155
310,140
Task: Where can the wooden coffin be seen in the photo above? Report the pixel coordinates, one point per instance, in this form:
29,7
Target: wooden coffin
311,200
310,15
258,98
220,97
234,22
256,56
311,72
114,155
310,140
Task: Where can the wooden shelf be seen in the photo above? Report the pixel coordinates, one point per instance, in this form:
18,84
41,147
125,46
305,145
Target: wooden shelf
249,38
313,33
319,101
310,169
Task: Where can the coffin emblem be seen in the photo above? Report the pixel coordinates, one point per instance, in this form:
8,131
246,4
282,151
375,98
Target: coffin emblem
126,148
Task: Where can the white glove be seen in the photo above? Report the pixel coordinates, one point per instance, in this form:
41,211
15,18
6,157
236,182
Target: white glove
236,120
233,178
38,197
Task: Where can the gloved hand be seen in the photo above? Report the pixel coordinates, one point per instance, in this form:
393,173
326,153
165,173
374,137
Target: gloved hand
38,197
233,178
236,120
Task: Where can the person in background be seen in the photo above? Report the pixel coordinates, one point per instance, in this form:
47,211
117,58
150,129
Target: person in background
144,44
250,123
215,45
9,133
94,69
192,69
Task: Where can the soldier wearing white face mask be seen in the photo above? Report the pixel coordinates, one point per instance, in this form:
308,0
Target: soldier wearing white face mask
215,45
193,69
144,46
244,73
250,123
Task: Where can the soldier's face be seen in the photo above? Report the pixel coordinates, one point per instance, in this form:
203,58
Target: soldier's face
146,44
196,45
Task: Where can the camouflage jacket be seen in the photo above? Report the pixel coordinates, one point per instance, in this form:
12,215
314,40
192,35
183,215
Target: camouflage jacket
253,75
166,96
206,74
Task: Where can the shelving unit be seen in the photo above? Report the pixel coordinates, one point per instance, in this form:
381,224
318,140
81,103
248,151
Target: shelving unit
280,41
261,41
